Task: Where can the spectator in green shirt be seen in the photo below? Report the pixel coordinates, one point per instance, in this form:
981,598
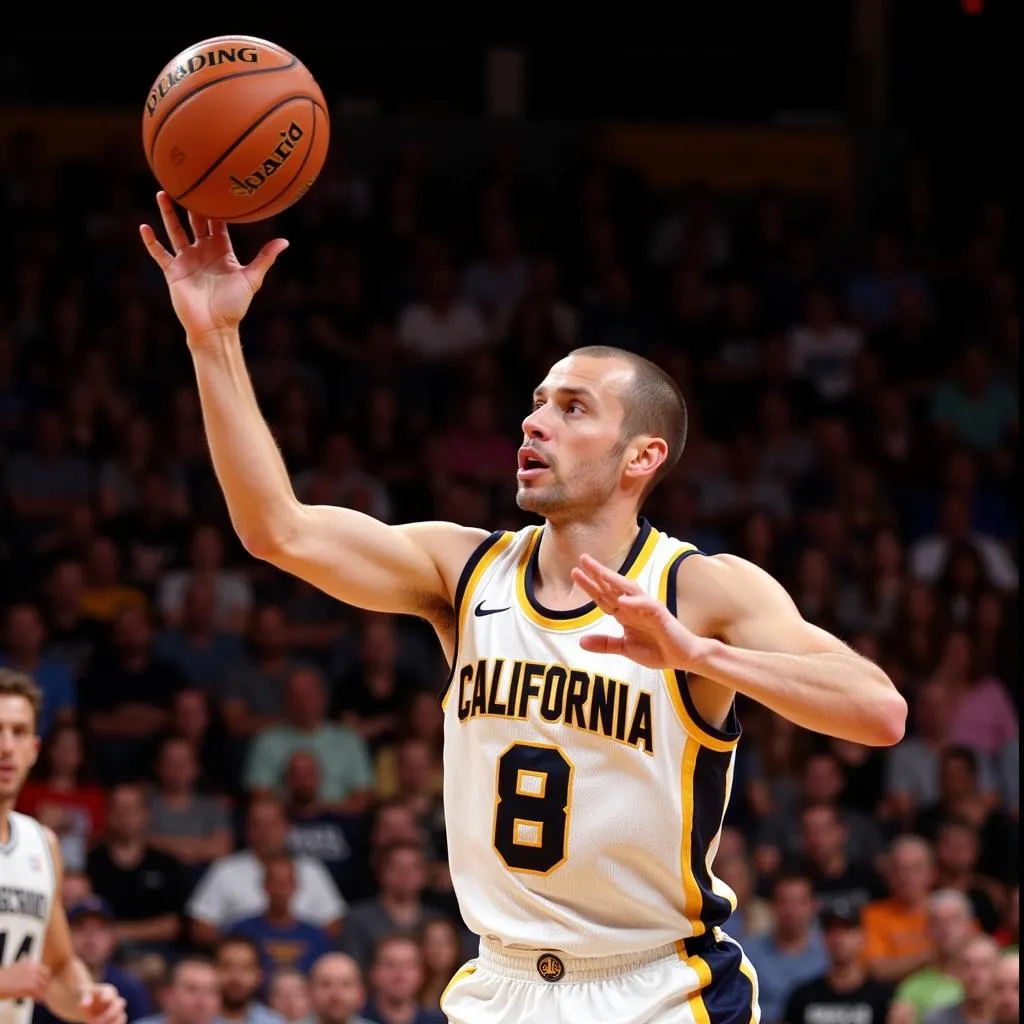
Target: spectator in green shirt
950,925
346,773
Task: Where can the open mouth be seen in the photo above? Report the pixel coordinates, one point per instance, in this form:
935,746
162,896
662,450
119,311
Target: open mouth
531,463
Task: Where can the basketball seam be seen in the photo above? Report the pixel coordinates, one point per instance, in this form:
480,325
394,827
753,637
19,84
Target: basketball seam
207,85
241,138
295,176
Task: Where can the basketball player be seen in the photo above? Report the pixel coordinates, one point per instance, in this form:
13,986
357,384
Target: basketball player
590,725
36,958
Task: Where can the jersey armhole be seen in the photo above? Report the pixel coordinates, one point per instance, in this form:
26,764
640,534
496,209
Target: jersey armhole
485,553
703,732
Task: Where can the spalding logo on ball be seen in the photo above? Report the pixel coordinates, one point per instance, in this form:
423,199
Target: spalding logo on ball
235,128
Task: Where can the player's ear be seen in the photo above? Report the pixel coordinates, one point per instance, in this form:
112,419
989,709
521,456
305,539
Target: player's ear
648,455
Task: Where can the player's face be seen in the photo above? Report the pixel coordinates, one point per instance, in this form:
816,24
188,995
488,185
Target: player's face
19,744
572,455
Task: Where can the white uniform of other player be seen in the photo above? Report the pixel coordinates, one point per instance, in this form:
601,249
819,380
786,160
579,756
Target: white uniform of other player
27,881
584,799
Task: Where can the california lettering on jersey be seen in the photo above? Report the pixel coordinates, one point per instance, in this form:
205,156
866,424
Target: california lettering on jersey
24,902
557,694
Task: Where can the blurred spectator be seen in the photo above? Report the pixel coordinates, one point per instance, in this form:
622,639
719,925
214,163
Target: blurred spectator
289,995
144,888
437,326
283,940
41,481
976,408
200,651
397,909
956,861
753,914
960,798
190,719
94,942
72,637
873,294
938,983
24,651
346,774
232,888
896,927
191,996
337,840
822,348
121,475
190,826
1007,990
837,881
126,697
844,992
153,534
913,766
106,591
983,716
793,952
497,277
339,478
240,976
63,797
336,991
1008,932
979,959
441,950
396,977
253,691
930,554
232,591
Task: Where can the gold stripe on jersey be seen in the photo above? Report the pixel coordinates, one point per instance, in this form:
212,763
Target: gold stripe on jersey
697,1008
747,970
459,975
464,596
672,682
693,898
593,613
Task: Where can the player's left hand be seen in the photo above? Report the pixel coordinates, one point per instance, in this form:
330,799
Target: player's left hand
103,1004
652,635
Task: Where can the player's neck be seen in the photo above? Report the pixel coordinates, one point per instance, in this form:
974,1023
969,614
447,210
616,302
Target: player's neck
6,806
607,540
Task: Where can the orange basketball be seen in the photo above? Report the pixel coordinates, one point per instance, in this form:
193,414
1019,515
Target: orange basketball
235,128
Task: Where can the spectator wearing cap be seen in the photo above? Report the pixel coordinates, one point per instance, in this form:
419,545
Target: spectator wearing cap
844,994
977,967
95,943
950,925
793,952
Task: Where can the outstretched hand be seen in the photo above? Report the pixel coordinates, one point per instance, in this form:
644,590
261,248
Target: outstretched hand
209,288
652,635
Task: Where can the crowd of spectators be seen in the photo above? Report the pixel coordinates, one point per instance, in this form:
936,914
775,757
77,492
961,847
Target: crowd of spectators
245,775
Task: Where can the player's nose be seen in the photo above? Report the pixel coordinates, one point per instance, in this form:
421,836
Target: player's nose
534,425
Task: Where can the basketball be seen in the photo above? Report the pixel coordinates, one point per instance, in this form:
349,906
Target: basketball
235,128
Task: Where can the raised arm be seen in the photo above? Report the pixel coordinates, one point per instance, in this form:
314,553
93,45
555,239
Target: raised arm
401,569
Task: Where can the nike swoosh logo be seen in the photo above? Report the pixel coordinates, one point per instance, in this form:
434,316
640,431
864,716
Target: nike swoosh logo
480,611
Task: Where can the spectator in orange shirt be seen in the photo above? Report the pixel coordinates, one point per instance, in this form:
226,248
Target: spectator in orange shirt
896,928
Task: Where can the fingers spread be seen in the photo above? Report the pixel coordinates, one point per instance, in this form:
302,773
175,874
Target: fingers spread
162,257
176,234
200,225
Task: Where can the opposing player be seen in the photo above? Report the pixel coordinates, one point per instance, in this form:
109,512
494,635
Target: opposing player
590,725
37,962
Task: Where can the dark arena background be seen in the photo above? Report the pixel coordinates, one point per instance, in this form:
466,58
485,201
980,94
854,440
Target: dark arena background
804,212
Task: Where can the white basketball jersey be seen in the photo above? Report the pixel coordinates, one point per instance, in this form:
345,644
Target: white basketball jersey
27,881
584,795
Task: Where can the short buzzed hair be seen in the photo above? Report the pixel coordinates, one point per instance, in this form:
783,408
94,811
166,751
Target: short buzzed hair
653,407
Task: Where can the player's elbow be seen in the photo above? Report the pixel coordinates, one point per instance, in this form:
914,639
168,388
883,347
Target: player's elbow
267,537
891,718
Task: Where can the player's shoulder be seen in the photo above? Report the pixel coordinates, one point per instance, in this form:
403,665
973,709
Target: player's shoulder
448,545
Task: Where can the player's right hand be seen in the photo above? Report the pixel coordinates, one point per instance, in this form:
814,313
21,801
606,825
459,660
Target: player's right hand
210,289
25,980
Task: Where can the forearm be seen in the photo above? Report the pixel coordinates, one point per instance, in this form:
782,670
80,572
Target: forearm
249,467
837,694
67,987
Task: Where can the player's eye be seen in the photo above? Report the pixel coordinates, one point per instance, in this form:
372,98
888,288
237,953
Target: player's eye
575,407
